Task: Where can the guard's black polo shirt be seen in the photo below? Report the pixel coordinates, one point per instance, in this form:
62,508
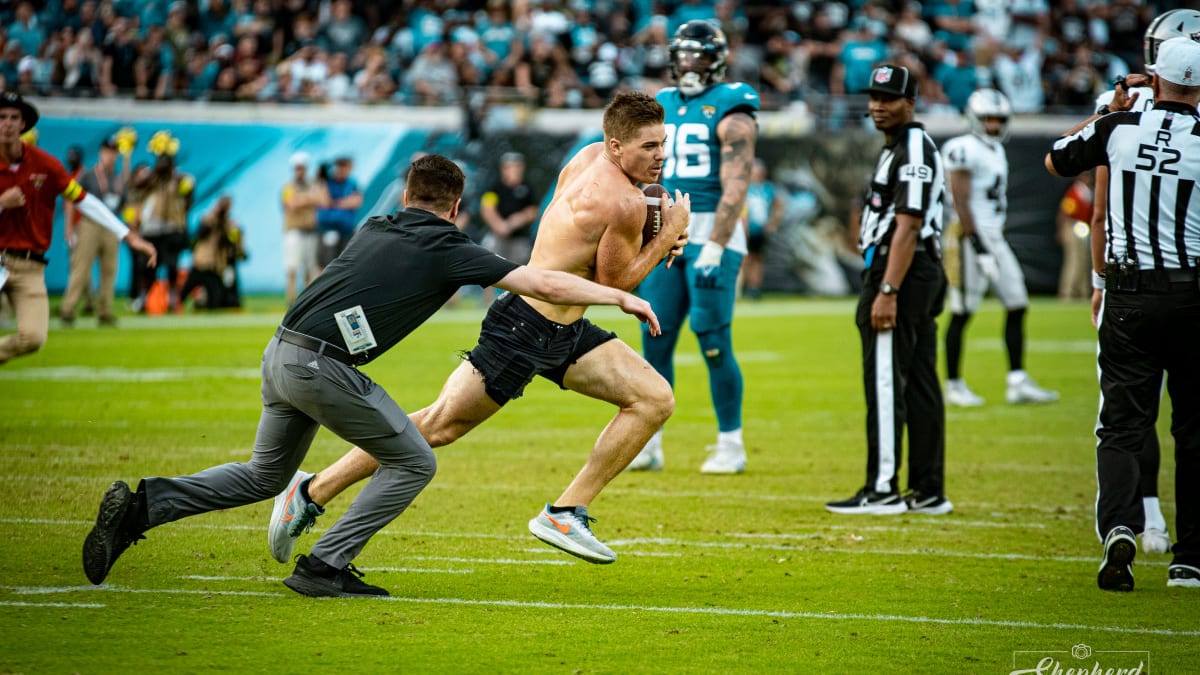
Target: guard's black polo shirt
401,268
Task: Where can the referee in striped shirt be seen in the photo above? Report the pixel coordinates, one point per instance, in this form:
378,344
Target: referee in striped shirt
903,292
1151,310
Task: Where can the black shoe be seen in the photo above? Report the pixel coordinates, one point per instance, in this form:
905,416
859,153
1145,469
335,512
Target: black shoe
318,580
870,502
108,321
1116,573
112,533
1183,576
67,321
933,505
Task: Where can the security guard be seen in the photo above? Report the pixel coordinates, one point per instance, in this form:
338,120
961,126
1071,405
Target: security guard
1151,308
903,292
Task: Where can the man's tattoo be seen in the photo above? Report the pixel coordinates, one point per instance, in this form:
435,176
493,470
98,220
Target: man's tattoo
737,160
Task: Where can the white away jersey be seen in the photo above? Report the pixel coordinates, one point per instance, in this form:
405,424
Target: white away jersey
988,164
1145,99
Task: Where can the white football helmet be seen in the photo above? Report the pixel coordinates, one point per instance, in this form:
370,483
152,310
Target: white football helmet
988,103
1172,24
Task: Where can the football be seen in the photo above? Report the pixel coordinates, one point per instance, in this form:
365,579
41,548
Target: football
656,197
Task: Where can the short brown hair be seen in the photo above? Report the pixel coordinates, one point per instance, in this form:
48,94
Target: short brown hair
436,182
629,112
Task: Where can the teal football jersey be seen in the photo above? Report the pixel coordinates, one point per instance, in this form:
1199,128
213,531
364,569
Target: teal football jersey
693,162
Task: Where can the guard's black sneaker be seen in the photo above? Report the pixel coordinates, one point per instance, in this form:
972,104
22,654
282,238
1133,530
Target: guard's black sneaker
1183,576
870,502
314,578
114,532
932,505
1116,571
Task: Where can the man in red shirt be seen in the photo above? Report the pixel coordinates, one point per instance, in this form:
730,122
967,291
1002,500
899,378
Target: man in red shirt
30,182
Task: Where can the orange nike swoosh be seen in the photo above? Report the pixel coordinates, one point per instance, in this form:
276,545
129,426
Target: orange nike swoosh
561,528
289,516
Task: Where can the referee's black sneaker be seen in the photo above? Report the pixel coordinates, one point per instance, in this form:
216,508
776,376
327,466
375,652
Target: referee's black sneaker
1116,570
119,525
930,505
1183,576
314,578
869,502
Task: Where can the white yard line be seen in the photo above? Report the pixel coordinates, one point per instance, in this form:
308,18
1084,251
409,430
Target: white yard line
710,611
60,605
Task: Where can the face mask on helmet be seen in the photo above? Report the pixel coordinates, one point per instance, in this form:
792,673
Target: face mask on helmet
698,53
988,104
1172,24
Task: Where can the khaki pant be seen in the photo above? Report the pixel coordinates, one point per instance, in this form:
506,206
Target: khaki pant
95,243
26,290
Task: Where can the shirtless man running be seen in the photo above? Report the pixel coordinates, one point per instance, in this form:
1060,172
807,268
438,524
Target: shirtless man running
592,228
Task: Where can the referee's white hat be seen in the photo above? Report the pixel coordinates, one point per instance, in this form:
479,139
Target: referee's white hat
1179,62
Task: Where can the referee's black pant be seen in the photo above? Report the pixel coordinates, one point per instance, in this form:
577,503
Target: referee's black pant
1142,334
901,381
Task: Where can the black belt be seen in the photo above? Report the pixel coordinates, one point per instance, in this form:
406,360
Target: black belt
24,254
321,347
1160,281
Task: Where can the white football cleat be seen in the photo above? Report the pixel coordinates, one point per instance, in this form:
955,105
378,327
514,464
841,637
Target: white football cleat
1022,389
727,457
958,394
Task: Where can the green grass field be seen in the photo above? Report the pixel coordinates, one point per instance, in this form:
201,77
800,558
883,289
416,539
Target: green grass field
715,574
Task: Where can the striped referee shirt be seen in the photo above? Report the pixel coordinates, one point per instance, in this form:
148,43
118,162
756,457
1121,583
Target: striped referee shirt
908,179
1153,159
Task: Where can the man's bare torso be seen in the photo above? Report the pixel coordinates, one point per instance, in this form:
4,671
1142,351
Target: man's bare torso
584,207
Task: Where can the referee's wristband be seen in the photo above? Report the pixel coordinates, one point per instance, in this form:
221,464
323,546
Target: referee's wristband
1097,280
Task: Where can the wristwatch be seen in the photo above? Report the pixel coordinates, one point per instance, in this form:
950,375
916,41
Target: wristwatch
888,289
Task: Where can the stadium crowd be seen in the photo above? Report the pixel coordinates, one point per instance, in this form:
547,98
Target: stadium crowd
577,53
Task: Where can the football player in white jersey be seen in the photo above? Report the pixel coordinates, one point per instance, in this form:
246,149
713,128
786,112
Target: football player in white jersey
977,255
1133,92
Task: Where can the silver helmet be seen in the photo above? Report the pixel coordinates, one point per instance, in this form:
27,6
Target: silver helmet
1172,24
988,103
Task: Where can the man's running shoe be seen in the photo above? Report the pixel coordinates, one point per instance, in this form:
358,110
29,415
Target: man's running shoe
292,516
1116,571
571,531
933,505
315,579
870,502
115,530
1183,576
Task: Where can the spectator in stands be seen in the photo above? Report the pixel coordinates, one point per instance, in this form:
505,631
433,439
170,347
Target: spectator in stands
911,29
373,82
432,78
953,22
782,71
120,54
336,219
152,71
860,52
10,65
1127,22
501,46
338,86
824,45
82,64
1018,73
342,31
956,75
26,30
216,17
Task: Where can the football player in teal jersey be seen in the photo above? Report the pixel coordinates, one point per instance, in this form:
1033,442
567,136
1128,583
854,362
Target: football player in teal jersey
711,132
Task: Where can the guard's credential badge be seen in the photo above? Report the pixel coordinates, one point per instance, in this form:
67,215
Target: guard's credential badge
356,332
